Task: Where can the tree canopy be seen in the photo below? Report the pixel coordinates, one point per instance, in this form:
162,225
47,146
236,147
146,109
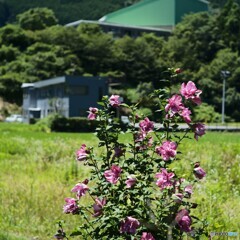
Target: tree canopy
203,45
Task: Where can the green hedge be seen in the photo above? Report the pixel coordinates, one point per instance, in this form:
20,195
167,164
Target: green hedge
75,124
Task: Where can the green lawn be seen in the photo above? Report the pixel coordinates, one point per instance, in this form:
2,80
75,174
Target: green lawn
39,169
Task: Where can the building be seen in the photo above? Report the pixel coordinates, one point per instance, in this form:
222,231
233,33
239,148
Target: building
69,96
158,16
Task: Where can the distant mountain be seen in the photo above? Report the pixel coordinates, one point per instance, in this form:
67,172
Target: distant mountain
70,10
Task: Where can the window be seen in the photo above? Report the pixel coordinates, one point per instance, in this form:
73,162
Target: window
79,90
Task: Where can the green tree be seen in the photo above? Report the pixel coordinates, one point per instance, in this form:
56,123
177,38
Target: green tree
47,61
137,60
10,87
66,37
228,25
37,19
219,3
95,50
211,82
8,54
15,36
192,43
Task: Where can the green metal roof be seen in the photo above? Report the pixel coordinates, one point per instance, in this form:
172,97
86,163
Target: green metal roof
155,13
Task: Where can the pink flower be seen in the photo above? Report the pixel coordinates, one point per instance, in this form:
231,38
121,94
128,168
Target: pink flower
82,153
70,206
139,137
131,181
80,189
92,113
167,150
147,236
189,190
183,220
177,197
129,225
199,130
115,101
185,113
164,179
198,171
174,105
146,126
97,207
189,91
113,174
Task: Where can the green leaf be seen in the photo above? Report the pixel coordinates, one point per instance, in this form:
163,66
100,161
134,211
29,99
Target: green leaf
76,233
124,105
101,104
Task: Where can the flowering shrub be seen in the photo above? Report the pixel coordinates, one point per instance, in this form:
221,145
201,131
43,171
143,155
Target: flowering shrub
133,190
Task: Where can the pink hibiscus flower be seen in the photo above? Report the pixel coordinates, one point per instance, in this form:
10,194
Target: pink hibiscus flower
164,179
189,91
167,150
113,174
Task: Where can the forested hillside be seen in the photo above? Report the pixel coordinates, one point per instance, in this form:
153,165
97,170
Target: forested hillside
65,10
71,10
203,44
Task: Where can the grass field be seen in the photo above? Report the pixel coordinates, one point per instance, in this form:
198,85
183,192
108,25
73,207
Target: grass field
37,171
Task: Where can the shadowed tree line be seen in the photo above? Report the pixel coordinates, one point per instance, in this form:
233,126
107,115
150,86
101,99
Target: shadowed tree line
71,10
203,44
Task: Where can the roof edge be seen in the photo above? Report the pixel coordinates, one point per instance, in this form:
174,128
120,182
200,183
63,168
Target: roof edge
157,29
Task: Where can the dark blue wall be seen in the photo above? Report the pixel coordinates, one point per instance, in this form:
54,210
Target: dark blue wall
85,92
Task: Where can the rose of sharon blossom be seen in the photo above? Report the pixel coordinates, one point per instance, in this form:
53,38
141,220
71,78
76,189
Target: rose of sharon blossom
70,206
92,113
82,153
183,220
139,137
129,225
146,126
167,150
174,105
80,189
97,207
189,190
189,91
185,113
147,236
164,179
131,181
199,130
198,171
115,101
177,197
113,174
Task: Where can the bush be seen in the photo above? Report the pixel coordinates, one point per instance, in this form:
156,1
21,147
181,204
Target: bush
134,190
206,113
75,124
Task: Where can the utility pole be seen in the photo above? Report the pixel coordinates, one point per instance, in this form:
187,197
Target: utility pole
225,75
